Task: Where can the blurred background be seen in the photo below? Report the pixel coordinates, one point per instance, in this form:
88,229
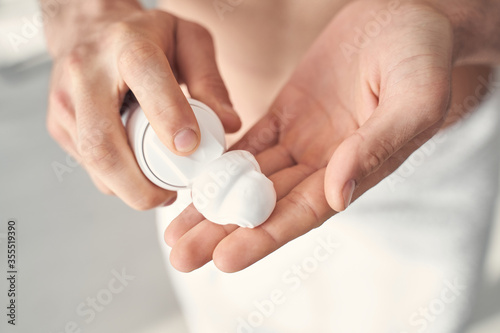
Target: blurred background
86,261
72,240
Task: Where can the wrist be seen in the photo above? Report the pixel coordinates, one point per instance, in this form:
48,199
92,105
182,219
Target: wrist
66,23
475,27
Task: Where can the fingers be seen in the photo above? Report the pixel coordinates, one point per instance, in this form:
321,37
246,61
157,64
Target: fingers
301,210
263,135
186,220
389,129
102,143
145,69
61,124
61,112
195,247
274,159
198,68
61,135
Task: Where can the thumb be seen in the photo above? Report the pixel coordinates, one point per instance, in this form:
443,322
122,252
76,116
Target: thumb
365,151
146,71
198,69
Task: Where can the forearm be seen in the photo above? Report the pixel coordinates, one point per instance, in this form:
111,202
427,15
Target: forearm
66,21
476,27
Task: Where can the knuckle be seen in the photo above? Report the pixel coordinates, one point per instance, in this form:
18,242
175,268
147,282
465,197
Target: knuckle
118,29
99,152
378,152
303,205
372,161
137,53
58,99
60,105
75,60
122,31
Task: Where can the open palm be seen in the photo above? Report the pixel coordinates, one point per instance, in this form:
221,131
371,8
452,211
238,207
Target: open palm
345,120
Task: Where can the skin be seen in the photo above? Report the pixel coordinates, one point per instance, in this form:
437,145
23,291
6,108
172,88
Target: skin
339,123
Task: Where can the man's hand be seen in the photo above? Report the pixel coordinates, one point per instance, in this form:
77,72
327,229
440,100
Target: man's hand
347,118
101,49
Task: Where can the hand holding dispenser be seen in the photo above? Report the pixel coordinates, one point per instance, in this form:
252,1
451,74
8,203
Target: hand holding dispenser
227,188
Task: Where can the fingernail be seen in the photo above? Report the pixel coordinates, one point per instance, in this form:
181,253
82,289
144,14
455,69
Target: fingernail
348,191
185,140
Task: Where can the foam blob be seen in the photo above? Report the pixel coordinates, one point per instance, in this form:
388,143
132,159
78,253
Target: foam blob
232,190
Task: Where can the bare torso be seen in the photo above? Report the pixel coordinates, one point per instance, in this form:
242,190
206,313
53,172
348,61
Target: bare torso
259,43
